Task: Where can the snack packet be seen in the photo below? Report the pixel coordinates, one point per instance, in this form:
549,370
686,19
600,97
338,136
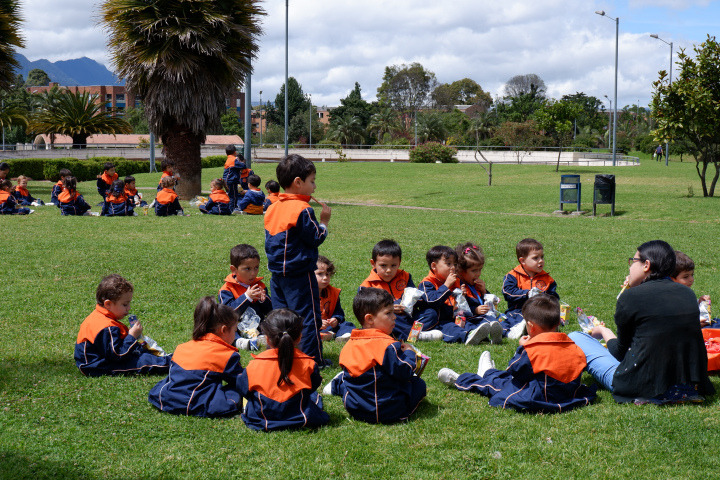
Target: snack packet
705,317
248,324
534,291
414,331
587,322
409,299
461,304
564,310
152,346
422,361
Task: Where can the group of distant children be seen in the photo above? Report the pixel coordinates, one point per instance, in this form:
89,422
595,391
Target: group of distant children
380,378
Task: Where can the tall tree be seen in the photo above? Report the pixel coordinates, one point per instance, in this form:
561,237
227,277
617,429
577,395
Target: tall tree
461,92
9,40
556,119
406,88
687,109
385,121
347,131
183,58
525,84
297,103
592,110
37,78
354,106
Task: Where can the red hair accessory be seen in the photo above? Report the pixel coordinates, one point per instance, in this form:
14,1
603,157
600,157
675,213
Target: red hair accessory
467,250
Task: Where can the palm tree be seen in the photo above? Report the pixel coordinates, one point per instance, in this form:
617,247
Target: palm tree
347,130
482,126
9,38
385,121
78,115
430,128
183,58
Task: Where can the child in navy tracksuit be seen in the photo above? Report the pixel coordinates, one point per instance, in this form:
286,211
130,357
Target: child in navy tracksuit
132,193
105,345
219,201
273,189
253,198
243,289
8,203
106,179
166,200
280,384
378,382
231,173
4,170
168,168
203,372
543,376
58,187
292,237
117,203
333,316
521,280
22,194
70,201
386,274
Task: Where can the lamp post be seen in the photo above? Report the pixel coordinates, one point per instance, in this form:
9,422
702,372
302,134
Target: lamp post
609,116
261,118
654,35
310,125
287,12
617,30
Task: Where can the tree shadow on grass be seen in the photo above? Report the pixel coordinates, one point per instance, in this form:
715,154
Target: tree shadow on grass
20,466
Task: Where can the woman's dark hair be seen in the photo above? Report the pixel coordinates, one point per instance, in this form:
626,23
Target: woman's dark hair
661,256
282,328
70,183
209,315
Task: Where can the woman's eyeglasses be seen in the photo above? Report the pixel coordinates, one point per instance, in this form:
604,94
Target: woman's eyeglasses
632,260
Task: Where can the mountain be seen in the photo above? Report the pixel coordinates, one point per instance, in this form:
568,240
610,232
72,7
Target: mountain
79,71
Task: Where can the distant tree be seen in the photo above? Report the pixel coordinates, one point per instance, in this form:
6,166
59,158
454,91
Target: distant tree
297,103
526,84
184,59
687,109
592,110
556,119
353,105
520,108
9,40
406,88
383,122
522,137
231,124
482,126
78,115
135,116
460,92
37,78
346,131
430,127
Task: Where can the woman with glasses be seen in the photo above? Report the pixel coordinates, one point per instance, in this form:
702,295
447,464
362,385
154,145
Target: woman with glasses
658,355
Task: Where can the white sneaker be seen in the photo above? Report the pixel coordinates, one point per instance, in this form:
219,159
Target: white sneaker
485,363
517,331
343,338
430,335
243,344
478,335
496,331
327,389
448,376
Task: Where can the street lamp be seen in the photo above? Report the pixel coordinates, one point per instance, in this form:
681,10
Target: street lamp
310,126
261,117
609,115
287,12
617,29
654,35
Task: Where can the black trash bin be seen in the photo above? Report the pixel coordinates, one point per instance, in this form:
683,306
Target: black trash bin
604,192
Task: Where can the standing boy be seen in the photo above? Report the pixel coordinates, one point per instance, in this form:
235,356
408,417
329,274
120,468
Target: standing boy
234,165
292,237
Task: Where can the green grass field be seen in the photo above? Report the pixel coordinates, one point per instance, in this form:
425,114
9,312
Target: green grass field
55,423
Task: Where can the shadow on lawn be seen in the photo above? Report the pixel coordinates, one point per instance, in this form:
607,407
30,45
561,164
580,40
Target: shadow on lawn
17,465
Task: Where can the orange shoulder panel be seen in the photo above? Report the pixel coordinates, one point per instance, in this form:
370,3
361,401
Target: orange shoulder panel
209,353
166,196
557,355
4,196
283,215
65,196
263,373
328,301
365,349
230,162
98,320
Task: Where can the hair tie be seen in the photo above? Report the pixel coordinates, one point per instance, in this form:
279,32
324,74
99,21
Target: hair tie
467,250
283,333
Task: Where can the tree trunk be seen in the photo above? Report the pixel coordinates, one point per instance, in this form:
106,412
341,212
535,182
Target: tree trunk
182,147
702,176
557,167
79,140
715,178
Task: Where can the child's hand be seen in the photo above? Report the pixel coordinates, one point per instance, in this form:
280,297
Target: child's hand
333,322
325,213
451,279
405,346
704,298
482,310
255,293
704,322
398,309
524,340
480,287
324,324
136,330
463,289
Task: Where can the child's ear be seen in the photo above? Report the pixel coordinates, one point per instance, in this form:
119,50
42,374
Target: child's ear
521,260
369,323
433,266
372,262
107,304
233,269
297,181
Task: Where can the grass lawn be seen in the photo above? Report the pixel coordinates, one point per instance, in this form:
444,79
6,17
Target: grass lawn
55,423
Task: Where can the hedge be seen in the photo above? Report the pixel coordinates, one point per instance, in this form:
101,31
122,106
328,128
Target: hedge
432,152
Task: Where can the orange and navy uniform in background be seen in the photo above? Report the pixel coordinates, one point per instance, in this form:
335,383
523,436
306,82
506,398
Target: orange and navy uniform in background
292,238
8,205
269,200
516,286
167,203
117,205
473,297
252,201
104,182
395,287
22,195
377,383
218,204
72,203
132,193
202,380
165,173
275,407
56,190
437,303
232,294
103,347
330,307
543,376
231,175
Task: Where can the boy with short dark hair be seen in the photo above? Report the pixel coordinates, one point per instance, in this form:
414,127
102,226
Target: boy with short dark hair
105,345
132,193
58,187
685,275
253,198
378,382
519,283
543,376
117,203
386,274
106,179
166,201
273,189
168,168
292,238
437,303
234,167
4,170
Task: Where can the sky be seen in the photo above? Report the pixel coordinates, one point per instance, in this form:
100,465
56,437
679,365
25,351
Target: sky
335,43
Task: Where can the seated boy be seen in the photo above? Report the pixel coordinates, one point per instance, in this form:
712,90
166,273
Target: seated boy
106,179
168,168
117,203
58,187
22,194
219,201
8,203
387,275
132,193
234,165
166,200
4,170
521,280
105,345
252,199
543,376
685,275
243,288
273,189
333,316
378,382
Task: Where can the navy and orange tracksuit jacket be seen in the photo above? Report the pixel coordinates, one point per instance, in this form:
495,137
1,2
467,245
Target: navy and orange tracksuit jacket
233,170
218,204
378,384
103,347
269,200
8,204
543,376
517,284
202,380
292,235
275,407
55,192
232,294
473,297
117,205
330,307
22,195
167,203
252,201
72,203
132,194
395,287
165,173
104,182
437,298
